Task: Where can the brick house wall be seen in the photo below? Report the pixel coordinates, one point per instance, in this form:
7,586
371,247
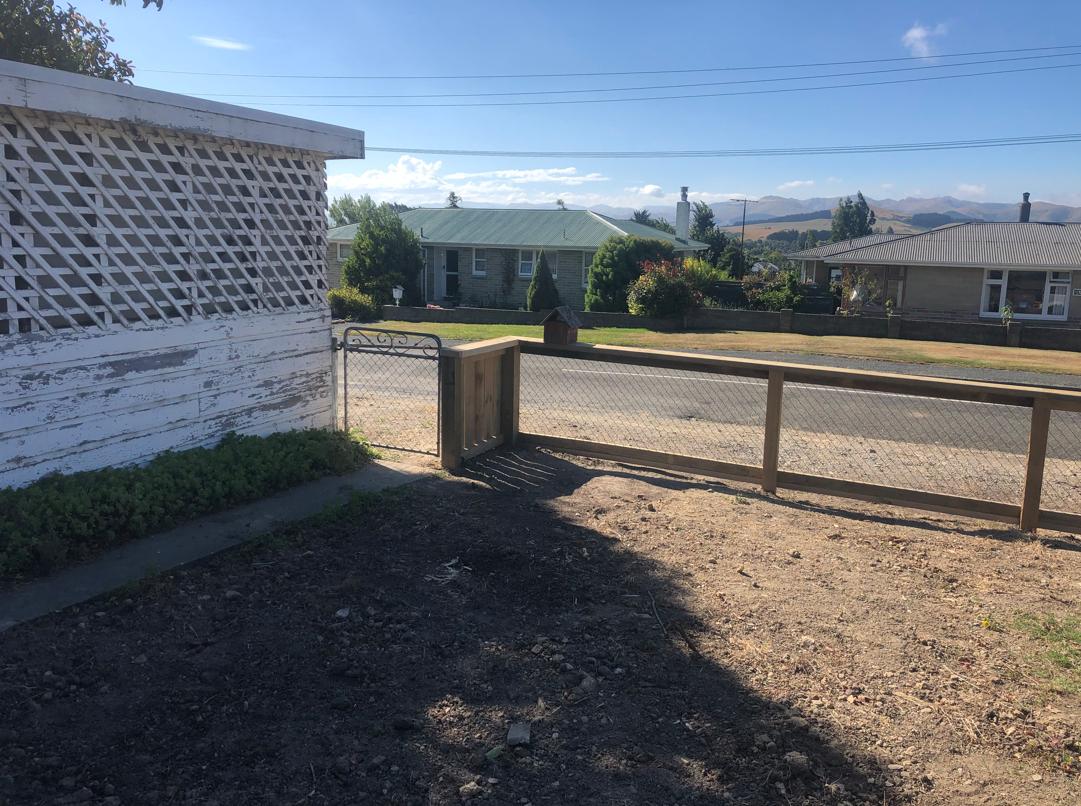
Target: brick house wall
490,290
337,252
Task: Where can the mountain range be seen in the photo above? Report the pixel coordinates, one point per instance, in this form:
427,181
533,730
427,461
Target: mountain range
769,208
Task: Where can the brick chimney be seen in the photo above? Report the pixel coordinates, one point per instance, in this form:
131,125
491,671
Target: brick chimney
1026,208
683,215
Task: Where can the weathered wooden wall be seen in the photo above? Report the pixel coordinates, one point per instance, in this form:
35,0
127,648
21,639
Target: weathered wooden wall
79,401
158,289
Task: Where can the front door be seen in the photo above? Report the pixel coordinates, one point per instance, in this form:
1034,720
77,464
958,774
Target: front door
451,269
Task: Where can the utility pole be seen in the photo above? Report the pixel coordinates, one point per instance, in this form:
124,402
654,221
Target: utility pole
743,228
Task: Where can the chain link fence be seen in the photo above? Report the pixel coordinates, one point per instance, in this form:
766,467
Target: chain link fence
957,447
389,388
963,448
1062,472
679,411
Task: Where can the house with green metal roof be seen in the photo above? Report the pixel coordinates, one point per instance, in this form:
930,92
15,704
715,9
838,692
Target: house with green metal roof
487,257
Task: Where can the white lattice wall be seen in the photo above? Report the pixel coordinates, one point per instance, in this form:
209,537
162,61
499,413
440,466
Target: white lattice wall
158,288
106,225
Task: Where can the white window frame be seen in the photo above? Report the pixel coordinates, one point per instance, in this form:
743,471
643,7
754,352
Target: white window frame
347,247
553,264
532,261
1065,280
480,272
586,265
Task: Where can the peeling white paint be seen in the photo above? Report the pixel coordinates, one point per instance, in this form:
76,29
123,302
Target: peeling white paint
82,401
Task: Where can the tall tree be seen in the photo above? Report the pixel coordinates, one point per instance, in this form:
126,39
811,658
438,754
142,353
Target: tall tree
561,204
39,32
642,216
703,221
345,209
663,224
385,253
453,200
852,219
704,229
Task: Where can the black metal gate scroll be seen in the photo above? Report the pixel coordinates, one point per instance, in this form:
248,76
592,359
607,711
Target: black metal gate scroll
390,382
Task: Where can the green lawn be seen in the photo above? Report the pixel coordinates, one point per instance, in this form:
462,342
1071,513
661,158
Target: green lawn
915,352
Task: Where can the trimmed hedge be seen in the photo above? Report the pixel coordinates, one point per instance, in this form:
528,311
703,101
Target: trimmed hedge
61,519
356,306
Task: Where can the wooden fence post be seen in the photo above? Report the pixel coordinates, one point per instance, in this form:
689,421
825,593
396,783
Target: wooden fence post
1037,453
451,415
510,382
771,449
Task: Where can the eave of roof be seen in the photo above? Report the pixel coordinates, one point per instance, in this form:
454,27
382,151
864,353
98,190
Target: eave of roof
823,251
28,86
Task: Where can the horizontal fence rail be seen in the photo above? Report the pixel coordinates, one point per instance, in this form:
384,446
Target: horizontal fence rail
987,450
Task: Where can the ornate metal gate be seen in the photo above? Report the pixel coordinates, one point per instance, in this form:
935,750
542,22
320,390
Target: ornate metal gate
390,387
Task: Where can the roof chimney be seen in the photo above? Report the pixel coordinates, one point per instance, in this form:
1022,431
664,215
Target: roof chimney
1026,207
683,215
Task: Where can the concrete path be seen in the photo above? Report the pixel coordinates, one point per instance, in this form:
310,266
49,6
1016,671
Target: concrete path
192,541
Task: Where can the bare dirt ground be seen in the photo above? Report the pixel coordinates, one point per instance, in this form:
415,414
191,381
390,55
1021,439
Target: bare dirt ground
669,641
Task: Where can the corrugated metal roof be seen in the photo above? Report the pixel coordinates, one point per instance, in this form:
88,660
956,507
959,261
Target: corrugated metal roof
559,229
1009,244
827,249
344,233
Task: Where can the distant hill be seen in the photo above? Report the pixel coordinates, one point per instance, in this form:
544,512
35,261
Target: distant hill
910,214
781,219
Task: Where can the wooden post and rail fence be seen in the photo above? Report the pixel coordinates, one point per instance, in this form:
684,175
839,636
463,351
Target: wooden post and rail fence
480,385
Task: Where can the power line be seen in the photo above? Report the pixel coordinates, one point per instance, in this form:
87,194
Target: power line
609,72
580,101
880,148
644,87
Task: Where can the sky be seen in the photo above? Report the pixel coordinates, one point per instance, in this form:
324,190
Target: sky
440,39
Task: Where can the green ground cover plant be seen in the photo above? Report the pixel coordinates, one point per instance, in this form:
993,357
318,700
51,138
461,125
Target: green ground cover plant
62,519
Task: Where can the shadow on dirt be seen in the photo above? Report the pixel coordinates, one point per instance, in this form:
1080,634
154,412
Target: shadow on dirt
380,656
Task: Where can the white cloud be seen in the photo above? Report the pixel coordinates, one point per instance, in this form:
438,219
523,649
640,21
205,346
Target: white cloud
971,190
656,191
918,39
887,185
416,181
834,180
221,44
794,184
560,176
407,174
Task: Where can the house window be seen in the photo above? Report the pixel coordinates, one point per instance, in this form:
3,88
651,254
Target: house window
1031,294
525,262
480,262
836,275
587,261
553,263
343,250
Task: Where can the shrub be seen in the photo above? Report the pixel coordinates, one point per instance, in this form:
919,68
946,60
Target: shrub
705,278
385,253
776,292
542,294
663,290
64,518
616,265
356,306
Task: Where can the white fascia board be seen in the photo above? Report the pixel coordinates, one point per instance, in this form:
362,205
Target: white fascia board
28,86
957,265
